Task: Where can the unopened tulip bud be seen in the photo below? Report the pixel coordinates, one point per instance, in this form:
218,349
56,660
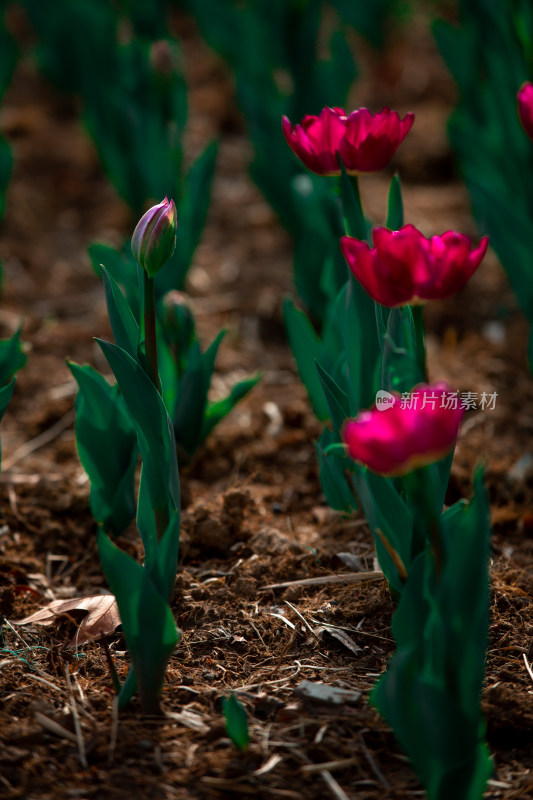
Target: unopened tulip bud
154,239
178,320
179,328
164,58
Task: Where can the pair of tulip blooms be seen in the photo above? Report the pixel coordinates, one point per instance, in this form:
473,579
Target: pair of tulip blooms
402,268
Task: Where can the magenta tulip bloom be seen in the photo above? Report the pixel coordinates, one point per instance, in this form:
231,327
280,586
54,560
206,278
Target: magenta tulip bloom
405,268
154,238
413,431
525,107
365,142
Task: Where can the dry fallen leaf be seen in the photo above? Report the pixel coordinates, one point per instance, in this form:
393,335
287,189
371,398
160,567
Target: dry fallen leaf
341,637
101,616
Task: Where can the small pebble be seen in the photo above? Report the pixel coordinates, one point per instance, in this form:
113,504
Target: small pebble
495,332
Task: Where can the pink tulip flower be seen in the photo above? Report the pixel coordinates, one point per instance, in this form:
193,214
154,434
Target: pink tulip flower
411,432
525,107
405,268
365,142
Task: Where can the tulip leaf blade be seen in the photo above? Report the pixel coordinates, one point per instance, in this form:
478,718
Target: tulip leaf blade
465,589
386,511
444,747
400,370
336,398
511,233
215,412
333,467
361,345
123,324
236,722
121,266
154,430
12,357
191,400
161,555
147,621
305,346
168,374
210,355
319,267
107,447
441,631
6,393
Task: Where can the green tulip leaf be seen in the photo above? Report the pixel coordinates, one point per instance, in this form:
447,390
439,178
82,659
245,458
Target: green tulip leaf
154,430
147,621
336,398
191,402
107,446
361,346
333,468
121,266
123,324
236,722
12,357
216,412
305,346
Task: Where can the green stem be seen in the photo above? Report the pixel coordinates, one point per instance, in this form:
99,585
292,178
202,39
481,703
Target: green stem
357,223
150,347
420,340
150,341
420,486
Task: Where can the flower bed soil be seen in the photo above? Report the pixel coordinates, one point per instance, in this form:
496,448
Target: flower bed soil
253,512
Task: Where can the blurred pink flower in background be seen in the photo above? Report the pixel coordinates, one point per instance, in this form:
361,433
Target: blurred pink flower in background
365,142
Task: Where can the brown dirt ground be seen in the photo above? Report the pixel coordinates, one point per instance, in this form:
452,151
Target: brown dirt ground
254,513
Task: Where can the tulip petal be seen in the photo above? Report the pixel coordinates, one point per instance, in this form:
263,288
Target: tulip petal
370,142
406,268
525,107
366,142
404,437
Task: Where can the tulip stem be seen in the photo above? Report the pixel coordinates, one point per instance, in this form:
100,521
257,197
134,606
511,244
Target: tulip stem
150,342
421,486
150,348
357,223
420,340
